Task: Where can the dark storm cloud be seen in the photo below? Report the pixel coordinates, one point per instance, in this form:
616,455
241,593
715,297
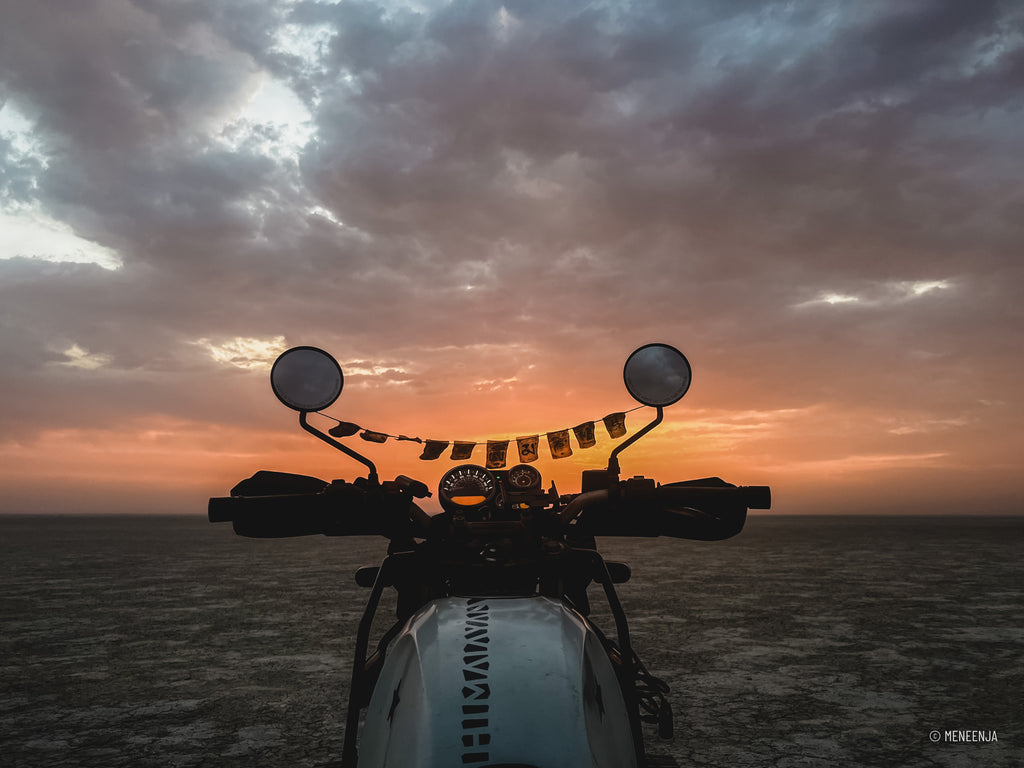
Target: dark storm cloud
815,148
569,176
104,75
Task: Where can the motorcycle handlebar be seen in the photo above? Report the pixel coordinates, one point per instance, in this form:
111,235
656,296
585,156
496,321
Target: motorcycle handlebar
636,507
707,513
338,510
641,508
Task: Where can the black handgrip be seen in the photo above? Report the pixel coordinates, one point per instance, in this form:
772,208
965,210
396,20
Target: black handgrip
271,517
707,510
758,496
706,513
339,510
750,496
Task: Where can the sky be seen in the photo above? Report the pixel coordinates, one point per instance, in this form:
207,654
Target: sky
481,208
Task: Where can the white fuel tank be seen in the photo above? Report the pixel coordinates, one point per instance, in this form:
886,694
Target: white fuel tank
496,681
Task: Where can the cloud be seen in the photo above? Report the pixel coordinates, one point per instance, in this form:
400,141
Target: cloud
880,295
495,202
245,353
861,463
82,358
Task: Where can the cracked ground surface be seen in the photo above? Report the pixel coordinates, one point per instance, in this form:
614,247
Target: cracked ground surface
802,642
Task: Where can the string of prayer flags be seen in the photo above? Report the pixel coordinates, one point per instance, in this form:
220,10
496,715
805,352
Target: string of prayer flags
462,451
615,423
558,442
585,434
433,449
528,448
496,450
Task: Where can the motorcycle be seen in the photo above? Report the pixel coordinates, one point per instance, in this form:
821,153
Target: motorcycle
493,660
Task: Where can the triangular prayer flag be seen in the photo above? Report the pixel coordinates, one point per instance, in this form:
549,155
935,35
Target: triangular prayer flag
585,435
462,450
615,423
528,448
496,450
558,442
433,449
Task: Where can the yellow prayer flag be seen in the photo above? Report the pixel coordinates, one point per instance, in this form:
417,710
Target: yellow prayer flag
462,451
585,435
343,429
615,423
433,449
528,448
558,442
496,450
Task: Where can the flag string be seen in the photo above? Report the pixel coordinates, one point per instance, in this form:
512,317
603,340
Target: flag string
497,448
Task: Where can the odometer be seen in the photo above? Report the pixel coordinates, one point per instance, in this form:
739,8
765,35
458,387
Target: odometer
466,487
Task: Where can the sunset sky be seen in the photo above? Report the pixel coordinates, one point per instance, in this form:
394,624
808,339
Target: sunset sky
480,209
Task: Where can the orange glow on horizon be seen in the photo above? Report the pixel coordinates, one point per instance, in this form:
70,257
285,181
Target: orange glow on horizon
176,465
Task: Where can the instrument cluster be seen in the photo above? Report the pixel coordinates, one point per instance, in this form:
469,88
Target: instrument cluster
485,494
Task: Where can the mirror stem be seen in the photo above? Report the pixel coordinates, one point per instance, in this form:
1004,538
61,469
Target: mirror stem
343,448
613,460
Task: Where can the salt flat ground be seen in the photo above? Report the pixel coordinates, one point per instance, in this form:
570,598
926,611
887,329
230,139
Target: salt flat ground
802,642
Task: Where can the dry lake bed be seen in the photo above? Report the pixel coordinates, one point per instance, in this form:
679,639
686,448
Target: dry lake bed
804,641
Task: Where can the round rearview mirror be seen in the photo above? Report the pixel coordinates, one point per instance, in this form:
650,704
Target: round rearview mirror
657,374
306,379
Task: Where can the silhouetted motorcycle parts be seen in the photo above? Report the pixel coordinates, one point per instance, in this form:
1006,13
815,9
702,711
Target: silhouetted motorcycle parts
493,659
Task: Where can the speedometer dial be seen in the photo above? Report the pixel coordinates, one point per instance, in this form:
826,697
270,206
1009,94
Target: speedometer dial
467,486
